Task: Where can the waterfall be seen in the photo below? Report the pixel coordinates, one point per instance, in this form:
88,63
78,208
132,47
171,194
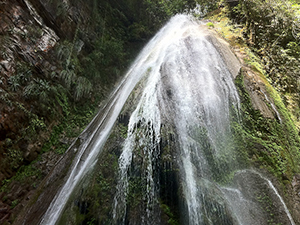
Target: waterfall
202,90
183,99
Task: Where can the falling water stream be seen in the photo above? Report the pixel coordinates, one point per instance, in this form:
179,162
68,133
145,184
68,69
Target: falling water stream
187,89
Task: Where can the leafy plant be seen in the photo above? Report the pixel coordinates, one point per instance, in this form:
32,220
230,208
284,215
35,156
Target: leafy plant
38,89
82,87
272,28
14,203
63,50
14,157
14,83
68,76
37,124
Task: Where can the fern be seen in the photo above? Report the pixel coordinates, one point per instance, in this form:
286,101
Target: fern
14,83
62,100
83,87
38,88
4,97
64,50
68,77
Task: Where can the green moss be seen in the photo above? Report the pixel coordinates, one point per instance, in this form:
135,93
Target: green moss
70,127
271,144
92,200
76,218
210,25
123,130
254,62
13,158
136,190
4,186
267,206
173,220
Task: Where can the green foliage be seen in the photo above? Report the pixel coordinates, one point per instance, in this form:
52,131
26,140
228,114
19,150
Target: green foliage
210,25
4,97
161,10
172,218
14,83
22,75
63,50
110,50
73,122
26,172
63,101
91,222
123,130
272,28
14,203
68,76
54,142
13,157
4,185
82,88
138,31
37,124
38,89
103,64
207,6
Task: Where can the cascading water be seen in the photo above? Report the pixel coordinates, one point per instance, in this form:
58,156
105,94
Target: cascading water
200,92
179,120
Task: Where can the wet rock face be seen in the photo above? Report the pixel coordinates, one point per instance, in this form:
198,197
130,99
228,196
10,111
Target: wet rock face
257,93
29,31
20,192
26,45
295,193
61,16
23,34
263,193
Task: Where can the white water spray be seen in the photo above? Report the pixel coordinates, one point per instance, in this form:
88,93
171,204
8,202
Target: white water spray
188,86
188,83
89,151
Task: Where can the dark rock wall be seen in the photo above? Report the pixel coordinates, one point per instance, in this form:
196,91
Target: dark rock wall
26,45
29,33
39,40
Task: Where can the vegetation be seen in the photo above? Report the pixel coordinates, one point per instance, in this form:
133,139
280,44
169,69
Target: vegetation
94,203
270,143
85,63
272,29
54,104
53,93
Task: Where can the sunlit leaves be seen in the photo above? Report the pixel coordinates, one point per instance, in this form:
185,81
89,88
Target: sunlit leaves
272,28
